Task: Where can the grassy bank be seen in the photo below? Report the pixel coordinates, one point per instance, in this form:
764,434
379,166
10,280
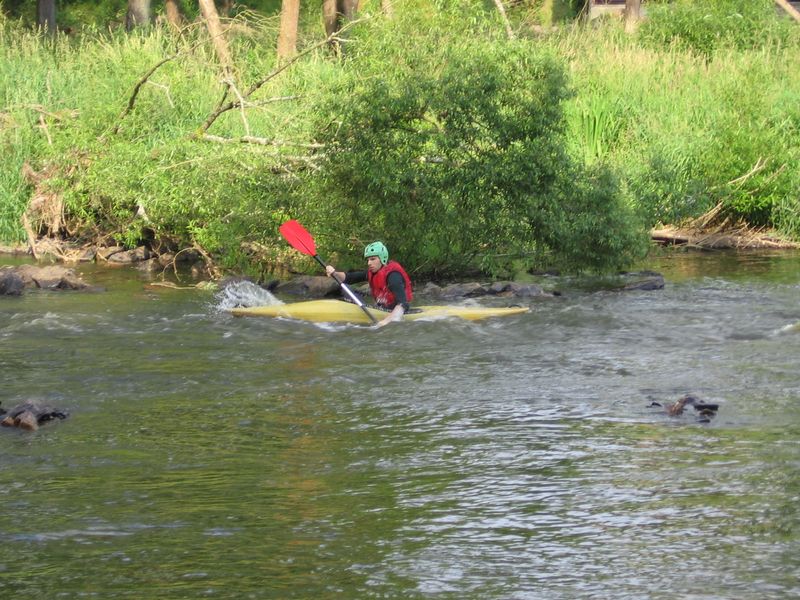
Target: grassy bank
638,135
686,131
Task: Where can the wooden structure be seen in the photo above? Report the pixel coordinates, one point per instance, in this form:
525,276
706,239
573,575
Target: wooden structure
599,8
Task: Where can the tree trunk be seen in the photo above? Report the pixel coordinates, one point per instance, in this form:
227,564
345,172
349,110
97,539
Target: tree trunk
226,7
46,15
793,12
209,12
173,12
632,14
330,16
335,12
287,36
138,13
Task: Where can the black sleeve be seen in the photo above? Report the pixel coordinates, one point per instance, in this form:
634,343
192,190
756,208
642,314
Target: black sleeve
355,276
397,285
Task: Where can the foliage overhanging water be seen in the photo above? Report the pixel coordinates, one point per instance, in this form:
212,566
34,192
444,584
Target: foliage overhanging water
517,458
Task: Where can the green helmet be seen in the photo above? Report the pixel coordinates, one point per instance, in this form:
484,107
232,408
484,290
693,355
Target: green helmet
379,250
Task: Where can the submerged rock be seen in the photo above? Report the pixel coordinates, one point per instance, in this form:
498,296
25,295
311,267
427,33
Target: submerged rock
29,415
309,285
705,411
320,286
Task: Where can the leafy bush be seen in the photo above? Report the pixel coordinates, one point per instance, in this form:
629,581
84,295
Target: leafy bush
456,158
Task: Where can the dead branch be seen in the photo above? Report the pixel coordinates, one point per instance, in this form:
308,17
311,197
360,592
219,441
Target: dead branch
43,127
26,225
224,107
736,238
249,139
145,79
57,116
275,99
242,106
137,88
760,164
793,12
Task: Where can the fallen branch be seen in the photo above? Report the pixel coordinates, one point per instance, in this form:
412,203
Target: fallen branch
145,79
43,127
736,238
249,139
26,225
793,12
224,107
760,164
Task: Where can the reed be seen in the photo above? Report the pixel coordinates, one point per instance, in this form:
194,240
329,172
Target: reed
687,131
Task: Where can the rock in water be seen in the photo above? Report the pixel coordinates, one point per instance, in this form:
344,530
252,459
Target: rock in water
29,415
11,284
705,411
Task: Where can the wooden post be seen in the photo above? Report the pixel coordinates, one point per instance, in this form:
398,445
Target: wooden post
793,12
287,34
214,26
632,13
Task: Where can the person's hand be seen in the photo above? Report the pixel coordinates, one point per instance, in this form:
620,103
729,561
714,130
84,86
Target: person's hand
330,270
395,315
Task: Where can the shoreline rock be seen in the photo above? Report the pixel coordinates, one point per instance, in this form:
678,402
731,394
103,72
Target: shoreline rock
14,280
318,286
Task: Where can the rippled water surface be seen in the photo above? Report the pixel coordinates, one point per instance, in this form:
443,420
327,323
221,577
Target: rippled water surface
208,456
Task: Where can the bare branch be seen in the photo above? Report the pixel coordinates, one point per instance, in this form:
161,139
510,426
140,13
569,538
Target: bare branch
43,127
760,164
259,141
145,79
137,88
502,10
235,104
793,12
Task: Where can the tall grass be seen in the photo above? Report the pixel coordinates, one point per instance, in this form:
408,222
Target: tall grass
687,131
192,191
681,130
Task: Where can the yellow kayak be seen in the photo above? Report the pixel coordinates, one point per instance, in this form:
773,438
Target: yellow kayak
338,311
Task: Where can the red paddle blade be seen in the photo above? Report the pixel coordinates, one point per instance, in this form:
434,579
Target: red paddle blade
298,237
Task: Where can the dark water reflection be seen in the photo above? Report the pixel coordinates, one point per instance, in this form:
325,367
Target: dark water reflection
211,456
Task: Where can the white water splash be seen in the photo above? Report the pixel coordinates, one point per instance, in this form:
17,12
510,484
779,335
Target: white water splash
793,328
244,293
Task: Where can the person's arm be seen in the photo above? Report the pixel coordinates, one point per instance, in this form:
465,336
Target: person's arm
349,277
396,315
397,286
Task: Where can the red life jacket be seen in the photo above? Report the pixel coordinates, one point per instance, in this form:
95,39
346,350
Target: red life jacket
377,284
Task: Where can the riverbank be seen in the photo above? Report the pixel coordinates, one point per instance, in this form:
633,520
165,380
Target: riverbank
589,139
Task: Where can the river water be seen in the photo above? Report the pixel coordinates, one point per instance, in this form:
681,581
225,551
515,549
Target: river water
209,456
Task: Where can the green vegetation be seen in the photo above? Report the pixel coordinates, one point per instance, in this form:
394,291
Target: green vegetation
461,149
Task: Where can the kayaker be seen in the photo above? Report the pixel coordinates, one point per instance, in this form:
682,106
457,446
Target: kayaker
389,283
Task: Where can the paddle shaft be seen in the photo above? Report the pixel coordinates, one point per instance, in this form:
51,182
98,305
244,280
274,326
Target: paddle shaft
347,290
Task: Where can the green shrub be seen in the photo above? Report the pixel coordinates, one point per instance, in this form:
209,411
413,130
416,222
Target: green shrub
457,158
